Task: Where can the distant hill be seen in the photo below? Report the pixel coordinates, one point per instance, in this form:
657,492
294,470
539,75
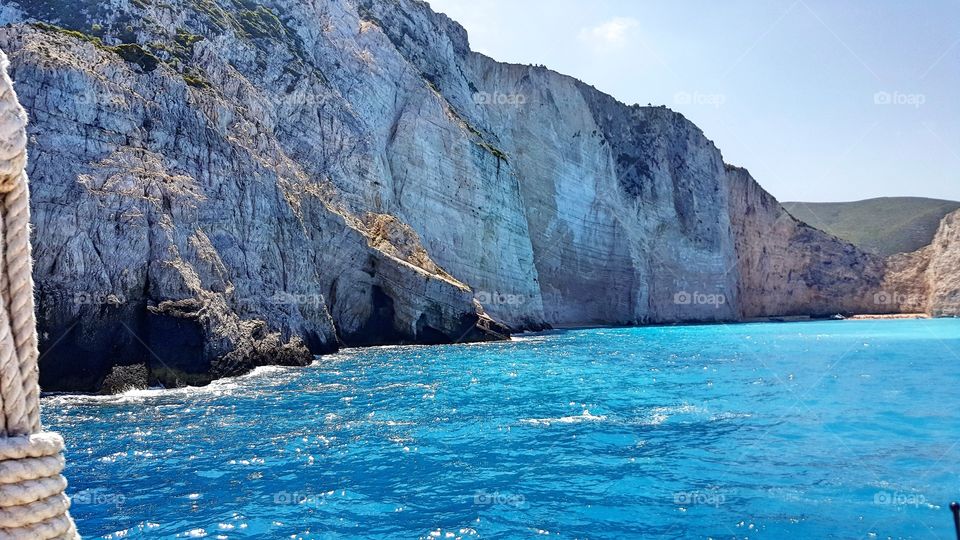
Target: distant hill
884,226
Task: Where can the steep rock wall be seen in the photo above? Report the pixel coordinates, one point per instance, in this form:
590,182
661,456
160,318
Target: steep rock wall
224,183
928,280
623,205
786,267
172,230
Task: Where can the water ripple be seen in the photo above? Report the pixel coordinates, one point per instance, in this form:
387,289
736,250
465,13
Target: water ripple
760,430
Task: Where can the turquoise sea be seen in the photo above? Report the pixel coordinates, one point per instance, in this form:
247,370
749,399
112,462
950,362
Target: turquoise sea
839,429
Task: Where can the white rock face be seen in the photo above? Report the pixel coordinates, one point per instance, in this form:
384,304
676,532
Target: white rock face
928,280
623,205
273,182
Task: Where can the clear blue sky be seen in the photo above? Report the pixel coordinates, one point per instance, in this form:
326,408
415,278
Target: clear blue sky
788,89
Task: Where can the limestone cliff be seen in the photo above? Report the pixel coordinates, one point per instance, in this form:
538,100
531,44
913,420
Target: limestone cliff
224,183
928,280
786,267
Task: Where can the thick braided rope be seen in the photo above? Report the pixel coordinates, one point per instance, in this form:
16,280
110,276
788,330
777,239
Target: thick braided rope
32,500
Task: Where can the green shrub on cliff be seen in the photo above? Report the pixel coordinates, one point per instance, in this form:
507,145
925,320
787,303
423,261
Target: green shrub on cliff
261,23
72,33
135,54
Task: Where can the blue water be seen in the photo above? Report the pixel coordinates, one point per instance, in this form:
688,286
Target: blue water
845,429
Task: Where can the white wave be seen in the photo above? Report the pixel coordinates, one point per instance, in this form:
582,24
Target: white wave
585,416
533,338
659,415
222,386
129,396
137,395
680,409
654,419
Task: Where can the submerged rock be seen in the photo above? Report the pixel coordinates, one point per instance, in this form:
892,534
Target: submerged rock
124,378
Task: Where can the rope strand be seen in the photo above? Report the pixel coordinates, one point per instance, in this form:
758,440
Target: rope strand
32,500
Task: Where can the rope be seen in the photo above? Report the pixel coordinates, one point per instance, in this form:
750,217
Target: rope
32,500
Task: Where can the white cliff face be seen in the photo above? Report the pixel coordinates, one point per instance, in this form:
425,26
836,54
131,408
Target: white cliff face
942,272
428,168
263,181
623,205
928,280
